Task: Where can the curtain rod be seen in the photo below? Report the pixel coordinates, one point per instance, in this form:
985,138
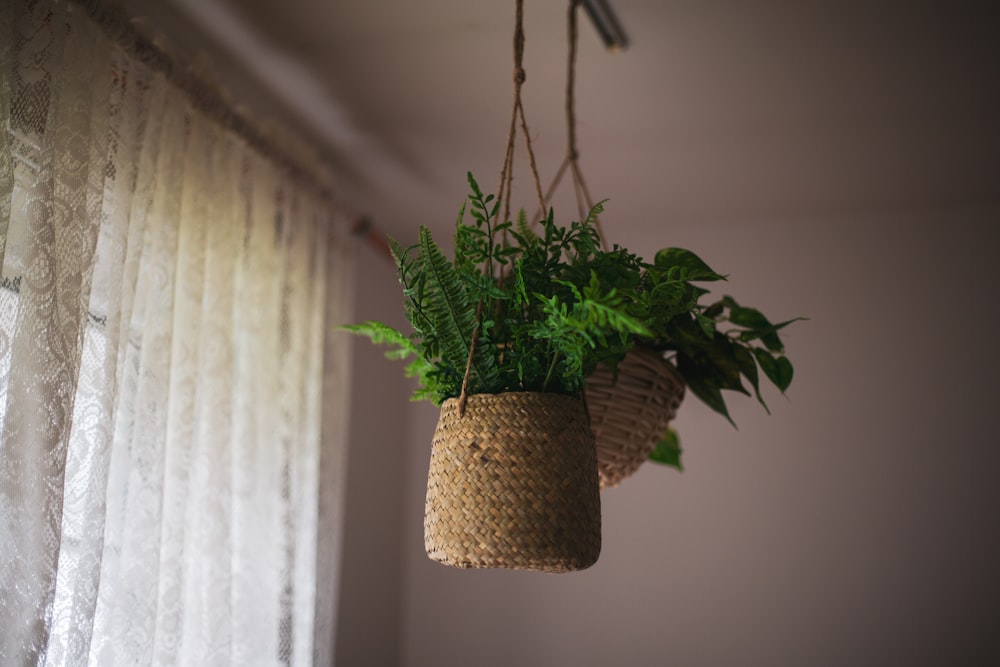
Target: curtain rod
365,229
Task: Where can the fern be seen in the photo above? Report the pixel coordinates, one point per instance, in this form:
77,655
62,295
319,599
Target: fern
401,348
452,314
548,309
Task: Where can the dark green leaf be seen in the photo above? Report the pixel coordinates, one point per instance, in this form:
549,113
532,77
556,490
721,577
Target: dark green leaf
668,450
473,185
714,310
707,325
679,257
703,387
748,367
769,365
785,373
751,318
721,356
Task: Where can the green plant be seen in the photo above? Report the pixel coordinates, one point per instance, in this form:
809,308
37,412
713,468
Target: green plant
541,313
716,346
532,315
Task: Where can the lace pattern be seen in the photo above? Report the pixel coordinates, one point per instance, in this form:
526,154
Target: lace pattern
163,309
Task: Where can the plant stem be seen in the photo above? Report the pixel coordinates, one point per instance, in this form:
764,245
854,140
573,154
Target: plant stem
552,368
489,237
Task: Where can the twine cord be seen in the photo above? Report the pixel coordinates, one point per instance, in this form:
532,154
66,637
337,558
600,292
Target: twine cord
571,162
507,173
584,201
517,112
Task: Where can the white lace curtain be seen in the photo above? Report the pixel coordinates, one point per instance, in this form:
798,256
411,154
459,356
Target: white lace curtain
166,291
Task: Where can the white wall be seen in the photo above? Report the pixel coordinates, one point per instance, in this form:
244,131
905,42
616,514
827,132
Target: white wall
855,526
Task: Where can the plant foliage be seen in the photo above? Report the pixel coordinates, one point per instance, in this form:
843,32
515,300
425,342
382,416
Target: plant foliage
717,346
541,313
534,313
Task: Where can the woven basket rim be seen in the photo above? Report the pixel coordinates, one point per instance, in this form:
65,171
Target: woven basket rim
513,395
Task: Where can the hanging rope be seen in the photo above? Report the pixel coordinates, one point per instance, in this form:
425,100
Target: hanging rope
507,172
584,201
570,163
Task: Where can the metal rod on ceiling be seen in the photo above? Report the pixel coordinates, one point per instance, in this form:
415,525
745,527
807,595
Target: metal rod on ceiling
606,23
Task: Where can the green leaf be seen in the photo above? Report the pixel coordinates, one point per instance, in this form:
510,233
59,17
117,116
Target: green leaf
768,335
768,364
452,314
395,249
714,310
703,387
707,325
751,318
721,356
757,325
668,450
473,185
777,369
679,257
748,367
379,333
383,334
785,373
595,211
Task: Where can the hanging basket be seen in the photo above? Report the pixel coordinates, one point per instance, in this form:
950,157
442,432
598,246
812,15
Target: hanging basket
513,484
630,413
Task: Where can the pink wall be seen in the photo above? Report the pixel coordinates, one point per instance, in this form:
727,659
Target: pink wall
369,620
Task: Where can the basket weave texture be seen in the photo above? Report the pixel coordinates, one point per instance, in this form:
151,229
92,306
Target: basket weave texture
513,484
630,414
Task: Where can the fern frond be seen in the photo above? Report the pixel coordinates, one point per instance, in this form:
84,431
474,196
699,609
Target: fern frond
402,348
381,334
396,250
452,313
595,211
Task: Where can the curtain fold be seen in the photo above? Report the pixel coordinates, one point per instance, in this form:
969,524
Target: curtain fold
169,391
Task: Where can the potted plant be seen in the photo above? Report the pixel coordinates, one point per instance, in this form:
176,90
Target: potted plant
509,336
708,347
504,337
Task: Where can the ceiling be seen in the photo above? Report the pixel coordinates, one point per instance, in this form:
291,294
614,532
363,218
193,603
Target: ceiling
721,110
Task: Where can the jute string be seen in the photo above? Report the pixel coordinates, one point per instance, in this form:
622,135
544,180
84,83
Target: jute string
507,172
517,112
571,162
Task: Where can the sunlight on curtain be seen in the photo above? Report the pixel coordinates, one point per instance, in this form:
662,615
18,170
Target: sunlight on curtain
166,292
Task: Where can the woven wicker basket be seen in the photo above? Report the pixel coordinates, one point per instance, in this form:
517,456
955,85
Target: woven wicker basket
630,414
513,484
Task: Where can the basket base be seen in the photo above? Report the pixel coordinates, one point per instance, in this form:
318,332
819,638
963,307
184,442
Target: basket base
513,484
630,413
